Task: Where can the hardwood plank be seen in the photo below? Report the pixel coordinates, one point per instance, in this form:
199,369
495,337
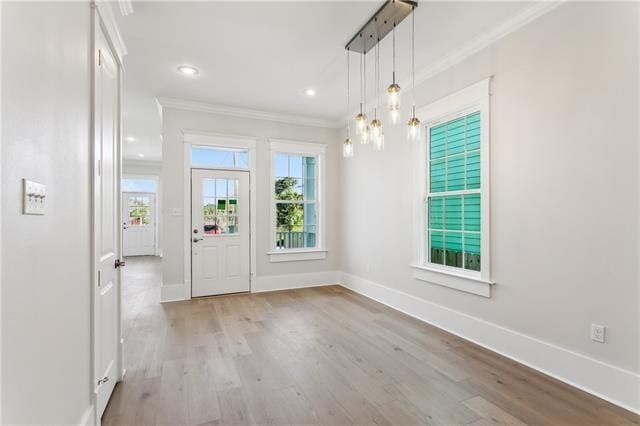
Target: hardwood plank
490,412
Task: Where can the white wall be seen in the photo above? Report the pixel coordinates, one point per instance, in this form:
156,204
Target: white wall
174,122
45,282
564,208
140,167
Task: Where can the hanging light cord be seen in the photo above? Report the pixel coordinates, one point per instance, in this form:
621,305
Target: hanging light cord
377,77
348,93
361,84
394,52
364,80
413,59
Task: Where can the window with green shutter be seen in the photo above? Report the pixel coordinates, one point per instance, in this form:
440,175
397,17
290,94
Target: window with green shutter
454,193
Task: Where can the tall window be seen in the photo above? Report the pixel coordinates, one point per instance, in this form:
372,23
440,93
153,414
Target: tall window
452,244
296,194
454,193
295,189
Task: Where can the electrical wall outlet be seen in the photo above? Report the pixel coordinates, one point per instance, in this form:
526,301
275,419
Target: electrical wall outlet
597,333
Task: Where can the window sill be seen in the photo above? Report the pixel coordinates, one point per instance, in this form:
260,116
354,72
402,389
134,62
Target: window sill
457,281
296,255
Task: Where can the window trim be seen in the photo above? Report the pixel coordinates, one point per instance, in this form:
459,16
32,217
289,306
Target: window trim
308,149
474,98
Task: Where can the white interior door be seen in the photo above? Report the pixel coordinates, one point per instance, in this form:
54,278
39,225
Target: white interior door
106,295
138,224
219,232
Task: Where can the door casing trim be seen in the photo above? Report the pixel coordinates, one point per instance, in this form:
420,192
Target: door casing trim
194,137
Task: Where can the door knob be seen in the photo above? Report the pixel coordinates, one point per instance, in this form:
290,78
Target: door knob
195,240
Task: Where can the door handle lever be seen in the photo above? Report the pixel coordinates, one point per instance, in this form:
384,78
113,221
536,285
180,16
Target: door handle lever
195,240
119,263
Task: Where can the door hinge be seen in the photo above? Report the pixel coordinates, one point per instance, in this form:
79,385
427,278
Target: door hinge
99,279
99,167
99,57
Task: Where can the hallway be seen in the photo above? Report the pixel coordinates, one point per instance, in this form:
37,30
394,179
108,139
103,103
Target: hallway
318,356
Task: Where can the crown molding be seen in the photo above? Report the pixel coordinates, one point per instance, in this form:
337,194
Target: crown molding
482,41
186,105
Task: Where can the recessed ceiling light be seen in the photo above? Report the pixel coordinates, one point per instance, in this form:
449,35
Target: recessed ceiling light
141,155
310,92
131,139
188,70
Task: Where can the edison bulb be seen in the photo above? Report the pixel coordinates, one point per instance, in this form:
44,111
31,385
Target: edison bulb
347,148
366,133
414,128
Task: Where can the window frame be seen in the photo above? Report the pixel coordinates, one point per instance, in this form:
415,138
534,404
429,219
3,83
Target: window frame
475,98
305,149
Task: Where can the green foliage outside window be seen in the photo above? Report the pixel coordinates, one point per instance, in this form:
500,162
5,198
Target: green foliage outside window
290,216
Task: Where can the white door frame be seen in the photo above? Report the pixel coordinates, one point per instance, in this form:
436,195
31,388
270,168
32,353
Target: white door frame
194,137
102,20
158,205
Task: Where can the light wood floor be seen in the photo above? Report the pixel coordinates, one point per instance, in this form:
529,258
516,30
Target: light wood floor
319,356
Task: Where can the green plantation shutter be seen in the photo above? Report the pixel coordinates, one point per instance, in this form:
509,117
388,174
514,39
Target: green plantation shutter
454,193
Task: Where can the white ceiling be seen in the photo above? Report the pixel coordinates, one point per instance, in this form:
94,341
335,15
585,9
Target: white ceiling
263,55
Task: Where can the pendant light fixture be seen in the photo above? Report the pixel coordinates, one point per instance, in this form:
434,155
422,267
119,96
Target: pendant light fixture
393,91
414,122
347,146
376,124
368,37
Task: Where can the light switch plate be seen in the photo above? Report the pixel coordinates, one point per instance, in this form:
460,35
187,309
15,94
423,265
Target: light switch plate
33,196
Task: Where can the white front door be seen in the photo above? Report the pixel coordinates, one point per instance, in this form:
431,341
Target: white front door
106,327
219,232
138,224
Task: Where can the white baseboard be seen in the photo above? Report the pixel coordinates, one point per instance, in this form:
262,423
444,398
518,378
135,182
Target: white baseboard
88,418
291,281
172,292
616,385
177,292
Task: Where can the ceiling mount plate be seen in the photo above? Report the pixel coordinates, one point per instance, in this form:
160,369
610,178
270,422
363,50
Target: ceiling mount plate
380,24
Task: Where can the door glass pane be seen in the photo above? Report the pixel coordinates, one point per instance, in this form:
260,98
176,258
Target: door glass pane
139,210
220,206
